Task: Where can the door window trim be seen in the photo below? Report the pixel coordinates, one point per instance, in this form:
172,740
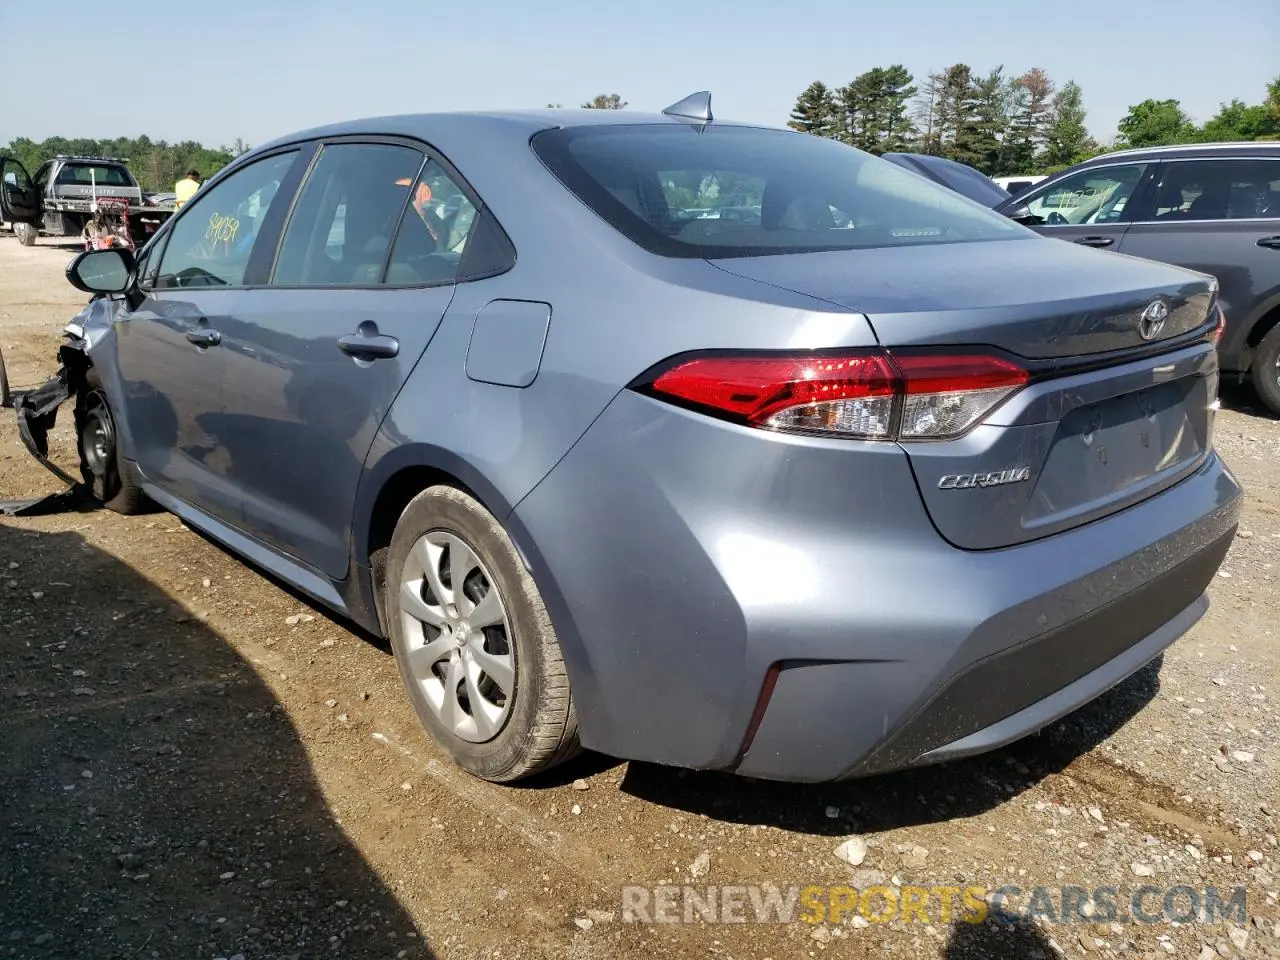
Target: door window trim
429,155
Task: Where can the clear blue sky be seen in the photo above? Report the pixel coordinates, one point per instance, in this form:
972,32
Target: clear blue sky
221,69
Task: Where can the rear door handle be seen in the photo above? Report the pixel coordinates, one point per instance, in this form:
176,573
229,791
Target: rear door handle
204,337
363,347
1097,241
1272,242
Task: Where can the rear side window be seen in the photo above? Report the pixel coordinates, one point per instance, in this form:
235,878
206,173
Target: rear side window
686,191
341,228
1219,190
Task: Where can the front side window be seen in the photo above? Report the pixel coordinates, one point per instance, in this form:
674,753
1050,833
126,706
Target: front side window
341,229
212,239
686,191
1091,196
1218,190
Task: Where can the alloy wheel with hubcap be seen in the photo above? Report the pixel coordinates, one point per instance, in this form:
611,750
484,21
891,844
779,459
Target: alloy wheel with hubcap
458,636
476,649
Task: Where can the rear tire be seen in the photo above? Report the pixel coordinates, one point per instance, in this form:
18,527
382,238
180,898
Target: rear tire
105,471
1265,371
484,673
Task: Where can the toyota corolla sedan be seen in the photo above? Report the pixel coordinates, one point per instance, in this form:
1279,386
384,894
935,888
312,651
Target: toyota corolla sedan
873,477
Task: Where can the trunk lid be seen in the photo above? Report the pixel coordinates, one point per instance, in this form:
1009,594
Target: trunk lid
1109,418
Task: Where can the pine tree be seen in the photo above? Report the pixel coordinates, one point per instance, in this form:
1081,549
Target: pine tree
925,112
1066,135
856,104
896,128
957,127
1028,127
815,111
991,102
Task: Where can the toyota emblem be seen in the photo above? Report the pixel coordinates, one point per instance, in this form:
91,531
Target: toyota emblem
1152,320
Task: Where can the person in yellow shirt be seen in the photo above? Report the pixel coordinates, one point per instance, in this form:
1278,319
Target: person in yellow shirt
186,188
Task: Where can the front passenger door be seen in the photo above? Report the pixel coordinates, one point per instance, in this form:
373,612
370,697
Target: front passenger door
1092,207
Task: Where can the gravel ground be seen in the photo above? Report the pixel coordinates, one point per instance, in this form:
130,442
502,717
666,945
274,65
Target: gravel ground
197,763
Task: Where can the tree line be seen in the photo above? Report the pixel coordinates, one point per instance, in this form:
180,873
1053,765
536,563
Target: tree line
156,163
1003,124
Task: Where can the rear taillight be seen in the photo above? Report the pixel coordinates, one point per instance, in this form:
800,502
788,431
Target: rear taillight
868,396
1216,337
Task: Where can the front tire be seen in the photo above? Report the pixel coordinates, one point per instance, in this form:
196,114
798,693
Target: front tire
1265,371
26,234
102,466
475,647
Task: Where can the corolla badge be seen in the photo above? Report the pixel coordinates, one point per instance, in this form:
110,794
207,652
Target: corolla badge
967,481
1152,320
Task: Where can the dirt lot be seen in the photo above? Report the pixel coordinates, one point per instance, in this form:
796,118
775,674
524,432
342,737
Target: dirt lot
196,763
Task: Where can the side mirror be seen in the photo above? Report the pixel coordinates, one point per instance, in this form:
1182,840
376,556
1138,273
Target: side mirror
102,271
1021,213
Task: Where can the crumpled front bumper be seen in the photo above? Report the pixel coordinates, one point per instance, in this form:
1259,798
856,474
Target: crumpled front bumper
37,414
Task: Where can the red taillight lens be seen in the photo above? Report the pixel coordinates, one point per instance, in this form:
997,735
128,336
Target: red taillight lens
1216,337
871,396
839,394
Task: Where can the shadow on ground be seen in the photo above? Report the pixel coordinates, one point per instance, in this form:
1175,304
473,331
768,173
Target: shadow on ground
1005,939
1242,398
963,788
157,801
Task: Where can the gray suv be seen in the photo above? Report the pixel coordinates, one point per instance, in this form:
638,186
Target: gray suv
1210,207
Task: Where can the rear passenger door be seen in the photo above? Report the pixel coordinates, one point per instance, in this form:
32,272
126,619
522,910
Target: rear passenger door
1093,206
364,272
1221,217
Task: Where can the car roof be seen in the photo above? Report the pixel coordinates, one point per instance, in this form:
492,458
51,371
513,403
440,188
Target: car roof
1268,148
432,127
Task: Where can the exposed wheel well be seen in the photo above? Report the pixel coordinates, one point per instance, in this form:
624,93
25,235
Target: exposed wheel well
1264,326
392,500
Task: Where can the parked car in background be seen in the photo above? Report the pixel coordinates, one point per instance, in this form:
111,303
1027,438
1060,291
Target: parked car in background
1016,185
1210,207
960,177
806,495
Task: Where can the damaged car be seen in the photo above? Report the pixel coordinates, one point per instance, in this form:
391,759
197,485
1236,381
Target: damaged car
878,478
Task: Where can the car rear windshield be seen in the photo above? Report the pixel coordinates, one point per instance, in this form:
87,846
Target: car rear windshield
683,190
103,174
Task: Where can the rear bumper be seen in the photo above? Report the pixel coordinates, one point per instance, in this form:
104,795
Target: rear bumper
684,561
995,700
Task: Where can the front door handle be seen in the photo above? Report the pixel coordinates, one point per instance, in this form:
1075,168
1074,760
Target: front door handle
204,337
1272,242
365,347
1097,241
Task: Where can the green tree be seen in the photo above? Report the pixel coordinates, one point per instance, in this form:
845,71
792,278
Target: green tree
993,96
605,101
1155,123
156,163
1028,126
957,125
815,111
1273,101
1066,136
1238,121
